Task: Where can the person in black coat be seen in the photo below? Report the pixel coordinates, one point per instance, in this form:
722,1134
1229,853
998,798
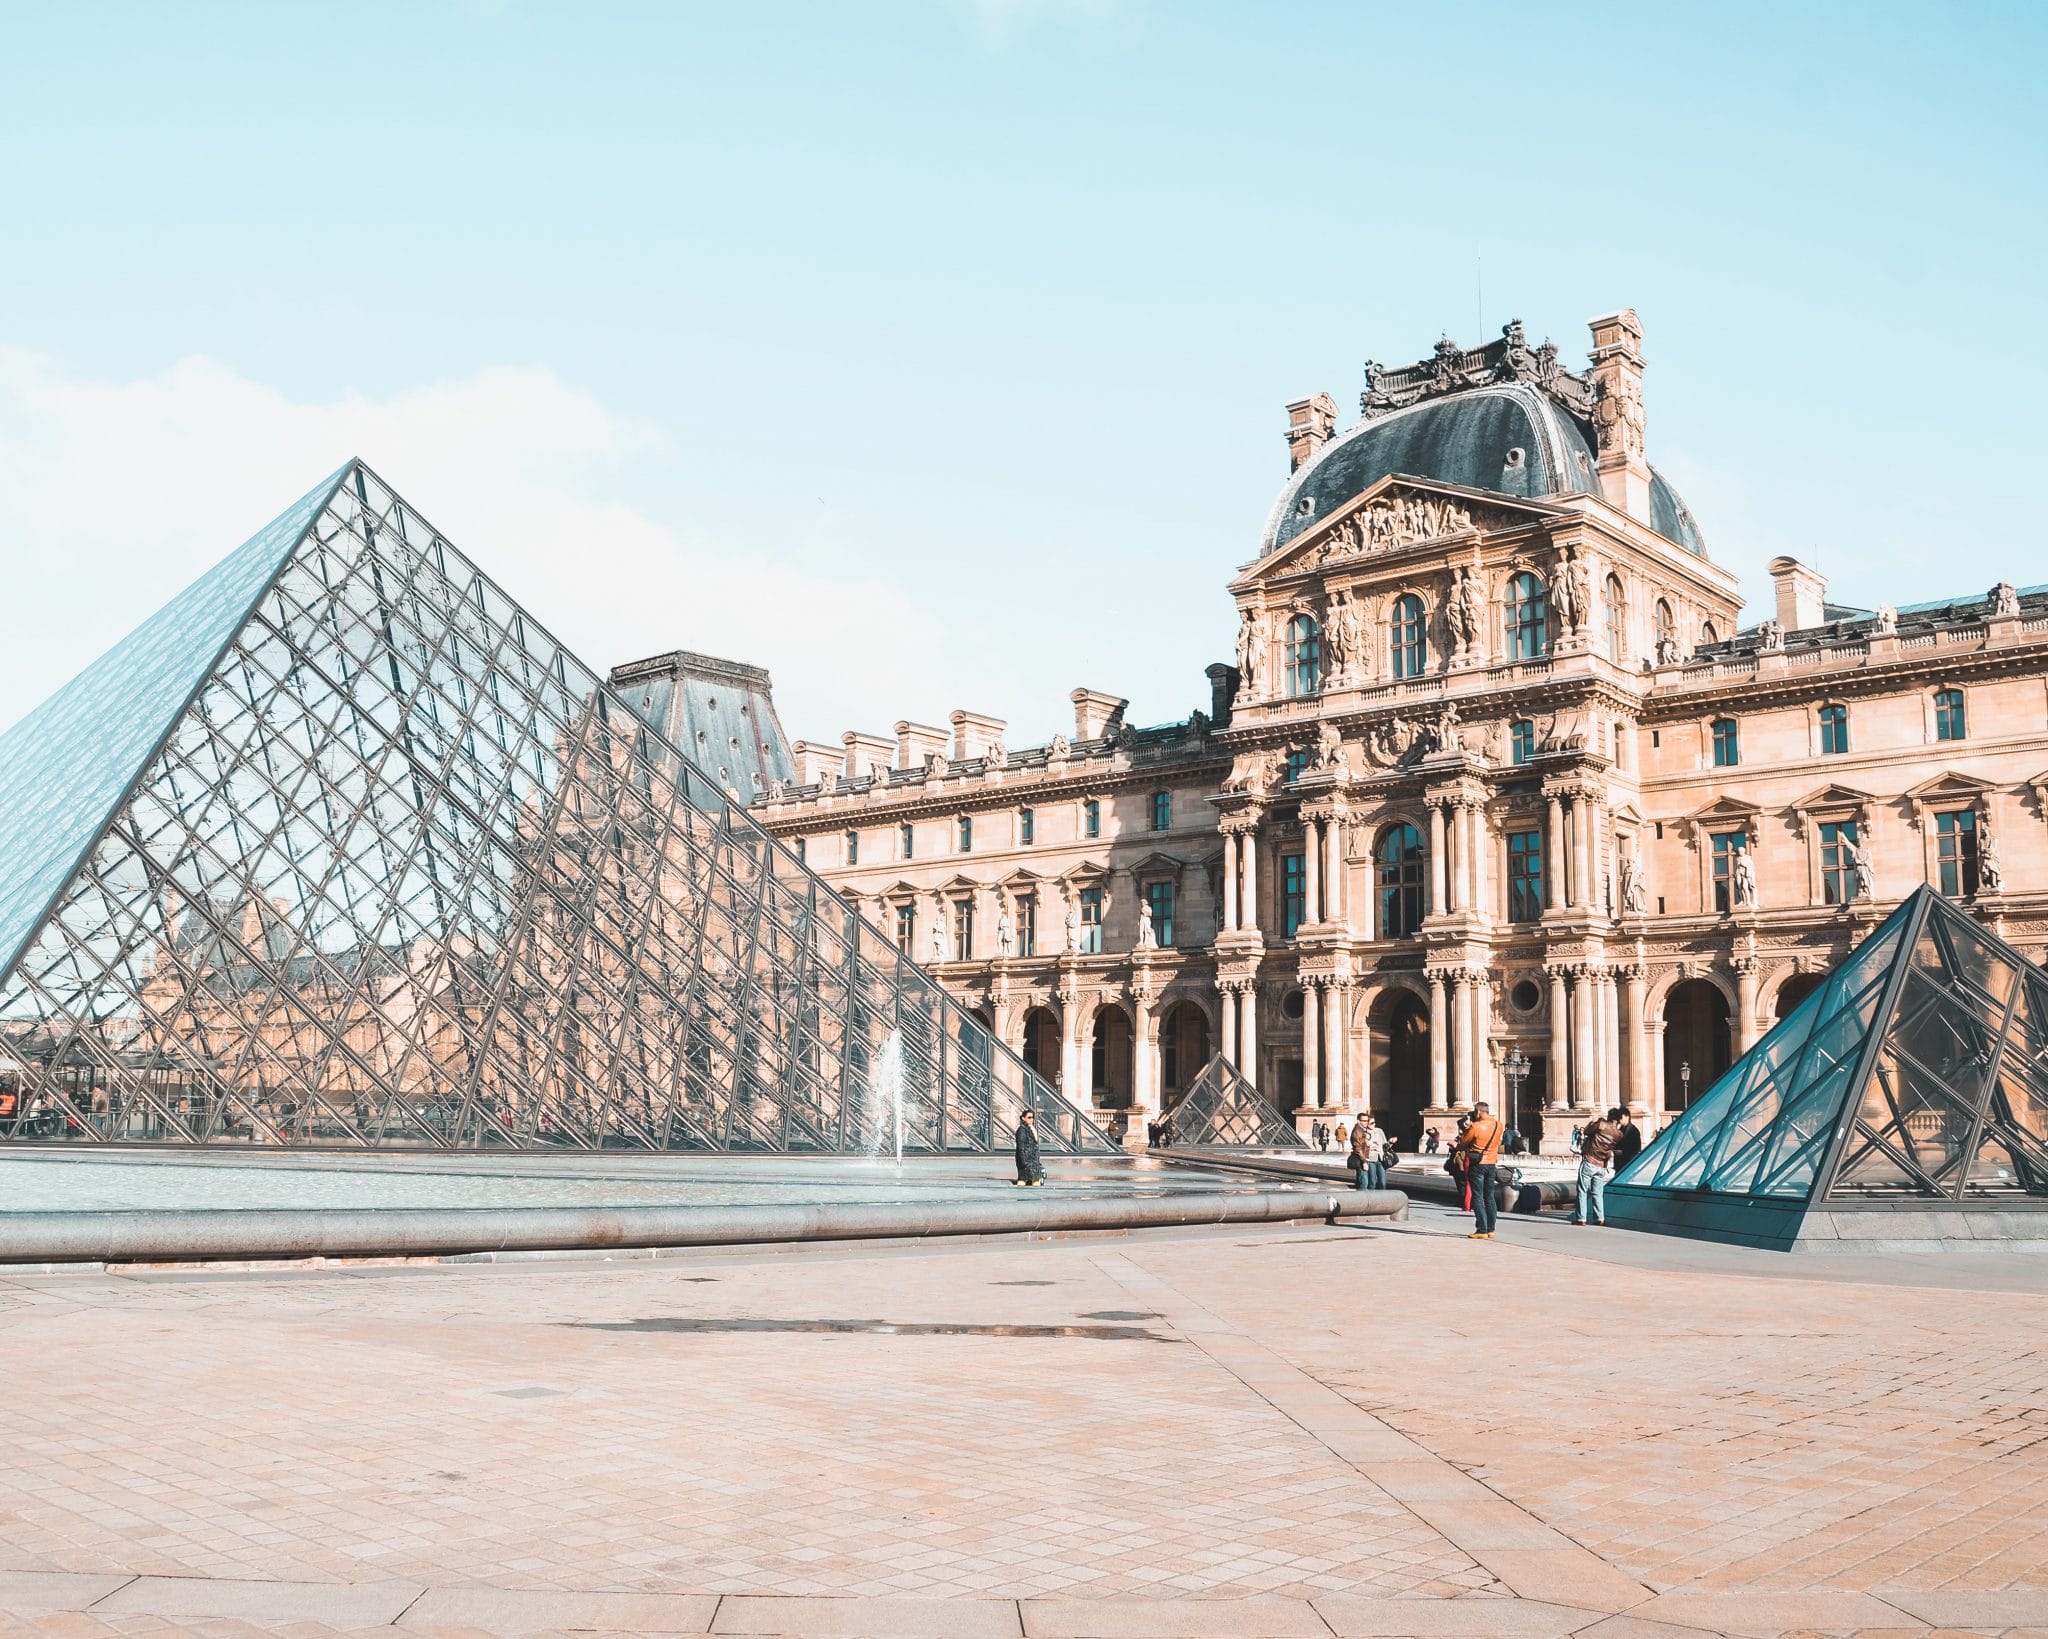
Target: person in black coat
1630,1144
1030,1169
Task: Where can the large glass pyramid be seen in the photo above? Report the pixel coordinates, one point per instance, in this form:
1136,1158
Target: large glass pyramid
341,848
1222,1110
1916,1075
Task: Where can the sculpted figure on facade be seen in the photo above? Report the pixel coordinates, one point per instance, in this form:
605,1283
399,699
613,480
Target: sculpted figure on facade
1073,926
1465,611
1770,635
1329,745
1006,927
997,754
1887,621
1742,881
1634,898
2005,600
1990,873
1148,939
1057,749
1251,655
1618,417
1863,878
937,942
1336,648
1573,589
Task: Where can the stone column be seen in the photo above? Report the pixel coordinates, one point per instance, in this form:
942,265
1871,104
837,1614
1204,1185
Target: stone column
1582,846
1438,882
1489,1063
1439,1027
1145,1098
1248,855
1557,1086
1653,1054
1335,1013
1312,869
1470,856
1070,1051
1359,1093
1461,1051
1229,881
1553,853
1084,1061
1746,981
1334,882
1311,1046
1610,1044
1585,1067
1248,1034
1634,1077
1228,993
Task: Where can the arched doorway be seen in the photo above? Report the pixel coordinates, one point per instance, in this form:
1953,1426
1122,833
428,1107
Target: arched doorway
1041,1046
1795,990
1110,1069
1397,1034
1695,1033
1183,1050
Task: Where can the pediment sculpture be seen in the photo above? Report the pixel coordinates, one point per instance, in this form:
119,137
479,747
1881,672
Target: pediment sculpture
1395,520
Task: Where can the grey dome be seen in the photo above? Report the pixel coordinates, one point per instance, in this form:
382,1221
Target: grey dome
1511,437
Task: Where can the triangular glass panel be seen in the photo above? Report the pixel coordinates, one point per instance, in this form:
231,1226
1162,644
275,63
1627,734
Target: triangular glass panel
342,849
1222,1110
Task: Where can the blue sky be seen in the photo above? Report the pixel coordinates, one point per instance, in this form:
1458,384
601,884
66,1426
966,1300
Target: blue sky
934,354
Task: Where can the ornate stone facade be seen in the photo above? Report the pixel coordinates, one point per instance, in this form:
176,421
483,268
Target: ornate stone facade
1495,773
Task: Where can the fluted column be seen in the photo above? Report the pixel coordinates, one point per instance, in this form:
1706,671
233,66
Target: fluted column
1438,884
1585,1069
1610,1044
1229,995
1653,1055
1553,853
1334,1013
1311,1046
1746,978
1334,883
1439,1046
1461,1051
1635,1073
1070,1052
1312,869
1248,857
1579,829
1229,881
1248,1035
1471,856
1557,1088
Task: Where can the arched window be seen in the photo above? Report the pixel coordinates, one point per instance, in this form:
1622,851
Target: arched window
1410,636
1949,723
1617,622
1708,634
1304,656
1522,740
1528,618
1667,633
1834,730
1398,866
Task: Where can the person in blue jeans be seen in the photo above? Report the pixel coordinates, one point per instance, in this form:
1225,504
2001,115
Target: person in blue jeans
1481,1143
1596,1166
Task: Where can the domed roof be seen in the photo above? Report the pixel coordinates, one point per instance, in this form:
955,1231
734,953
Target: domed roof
1510,437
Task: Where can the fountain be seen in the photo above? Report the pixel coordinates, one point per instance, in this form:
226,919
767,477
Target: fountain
885,1099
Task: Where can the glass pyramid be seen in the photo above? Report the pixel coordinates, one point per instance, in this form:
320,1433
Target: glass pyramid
1222,1110
1917,1073
340,848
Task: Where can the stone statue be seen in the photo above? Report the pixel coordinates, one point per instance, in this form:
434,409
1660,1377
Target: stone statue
1465,611
996,756
1449,737
1770,635
1857,858
1572,591
2005,600
935,766
1147,939
1329,745
1743,881
1887,621
1056,749
938,938
1073,928
1335,637
1353,622
1633,897
1251,653
1990,874
1006,928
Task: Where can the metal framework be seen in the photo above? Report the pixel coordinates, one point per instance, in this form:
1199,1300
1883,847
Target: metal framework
341,848
1222,1110
1918,1073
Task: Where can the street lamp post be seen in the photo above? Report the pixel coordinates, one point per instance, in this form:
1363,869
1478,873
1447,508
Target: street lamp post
1685,1085
1516,1066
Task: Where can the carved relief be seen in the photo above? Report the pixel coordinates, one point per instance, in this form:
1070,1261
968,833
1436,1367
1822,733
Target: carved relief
1618,416
1395,520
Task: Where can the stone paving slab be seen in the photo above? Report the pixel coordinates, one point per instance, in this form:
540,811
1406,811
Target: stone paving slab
1263,1618
868,1618
528,1611
361,1604
39,1593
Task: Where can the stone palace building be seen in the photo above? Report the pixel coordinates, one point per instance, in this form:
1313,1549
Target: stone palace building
1499,799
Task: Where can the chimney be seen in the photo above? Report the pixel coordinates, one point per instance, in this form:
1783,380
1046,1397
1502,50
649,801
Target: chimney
1222,690
1310,422
974,733
1618,413
917,741
1094,711
817,764
866,753
1802,594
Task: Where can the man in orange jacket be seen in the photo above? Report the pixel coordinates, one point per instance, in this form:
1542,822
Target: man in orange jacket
1481,1143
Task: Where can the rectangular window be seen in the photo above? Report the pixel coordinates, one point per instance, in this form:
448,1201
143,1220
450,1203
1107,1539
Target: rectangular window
1027,924
1834,731
963,930
906,927
967,833
1297,765
1727,749
1091,921
1027,826
853,847
799,848
1955,845
1727,844
1521,741
1091,818
1525,876
1293,893
1948,714
903,835
1159,895
1837,868
1162,810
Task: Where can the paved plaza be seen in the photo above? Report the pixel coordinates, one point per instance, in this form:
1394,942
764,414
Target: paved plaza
1302,1431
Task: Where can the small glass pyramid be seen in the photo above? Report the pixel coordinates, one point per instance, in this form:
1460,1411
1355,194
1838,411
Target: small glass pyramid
341,848
1222,1110
1917,1073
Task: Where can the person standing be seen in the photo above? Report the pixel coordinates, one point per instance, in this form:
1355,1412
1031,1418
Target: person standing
1375,1153
1030,1167
1360,1157
1480,1142
1630,1144
1596,1166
